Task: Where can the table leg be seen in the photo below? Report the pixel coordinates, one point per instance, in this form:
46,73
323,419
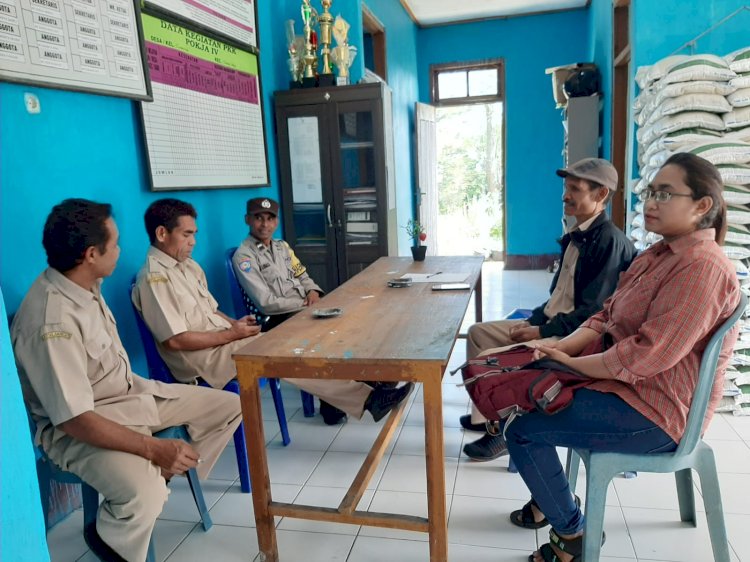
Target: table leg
433,421
258,461
478,298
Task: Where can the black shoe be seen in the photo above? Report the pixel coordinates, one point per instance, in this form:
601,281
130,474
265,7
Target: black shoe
100,548
486,448
465,422
376,384
383,400
331,414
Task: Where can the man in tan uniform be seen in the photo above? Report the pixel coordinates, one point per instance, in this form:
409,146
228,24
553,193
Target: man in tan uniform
94,416
594,253
194,337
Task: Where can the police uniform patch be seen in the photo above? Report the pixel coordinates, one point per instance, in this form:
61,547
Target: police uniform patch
157,278
56,334
296,265
245,265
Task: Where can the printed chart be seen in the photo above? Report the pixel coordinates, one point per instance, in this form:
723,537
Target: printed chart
233,18
204,128
89,45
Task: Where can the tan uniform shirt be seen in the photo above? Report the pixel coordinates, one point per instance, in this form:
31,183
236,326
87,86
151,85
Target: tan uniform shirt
562,299
173,298
71,360
273,277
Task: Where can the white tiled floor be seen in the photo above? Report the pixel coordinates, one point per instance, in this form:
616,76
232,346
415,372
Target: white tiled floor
642,520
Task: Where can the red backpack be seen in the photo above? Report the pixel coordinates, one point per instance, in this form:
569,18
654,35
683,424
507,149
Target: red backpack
509,383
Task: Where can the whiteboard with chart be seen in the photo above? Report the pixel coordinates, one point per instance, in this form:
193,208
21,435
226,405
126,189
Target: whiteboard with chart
204,128
86,45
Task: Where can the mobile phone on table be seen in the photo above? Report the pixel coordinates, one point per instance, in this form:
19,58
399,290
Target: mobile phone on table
451,287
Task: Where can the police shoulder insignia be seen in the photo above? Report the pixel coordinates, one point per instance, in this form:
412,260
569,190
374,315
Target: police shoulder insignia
245,265
157,278
54,334
296,265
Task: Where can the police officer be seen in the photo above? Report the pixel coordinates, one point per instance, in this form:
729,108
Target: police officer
194,337
268,270
93,416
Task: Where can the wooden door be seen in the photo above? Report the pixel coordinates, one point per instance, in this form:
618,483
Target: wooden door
426,171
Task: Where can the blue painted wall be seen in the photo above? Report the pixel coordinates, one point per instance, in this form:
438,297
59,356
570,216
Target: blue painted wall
534,133
600,53
21,521
401,60
82,145
659,28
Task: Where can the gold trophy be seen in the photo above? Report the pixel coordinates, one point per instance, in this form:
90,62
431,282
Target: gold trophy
308,80
325,20
342,54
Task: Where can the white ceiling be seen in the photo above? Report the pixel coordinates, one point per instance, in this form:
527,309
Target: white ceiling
431,12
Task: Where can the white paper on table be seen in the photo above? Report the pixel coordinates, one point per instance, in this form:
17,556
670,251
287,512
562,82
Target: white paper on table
437,277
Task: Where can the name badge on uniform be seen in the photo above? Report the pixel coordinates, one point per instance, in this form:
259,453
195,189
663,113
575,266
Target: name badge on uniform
264,266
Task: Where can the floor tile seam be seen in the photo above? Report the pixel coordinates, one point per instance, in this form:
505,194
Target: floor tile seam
166,558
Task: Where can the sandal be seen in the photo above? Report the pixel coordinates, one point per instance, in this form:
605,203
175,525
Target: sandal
574,547
524,517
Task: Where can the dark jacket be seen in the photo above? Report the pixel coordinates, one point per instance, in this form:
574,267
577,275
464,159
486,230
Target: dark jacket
605,252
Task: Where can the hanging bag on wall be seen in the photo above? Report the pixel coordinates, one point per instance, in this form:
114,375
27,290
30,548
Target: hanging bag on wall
507,384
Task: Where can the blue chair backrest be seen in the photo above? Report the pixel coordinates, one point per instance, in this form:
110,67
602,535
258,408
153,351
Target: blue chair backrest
706,377
157,368
241,303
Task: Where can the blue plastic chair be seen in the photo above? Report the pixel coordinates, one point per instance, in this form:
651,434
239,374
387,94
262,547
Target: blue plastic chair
47,471
691,453
243,305
158,370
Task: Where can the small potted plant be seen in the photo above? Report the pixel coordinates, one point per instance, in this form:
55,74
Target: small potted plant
416,231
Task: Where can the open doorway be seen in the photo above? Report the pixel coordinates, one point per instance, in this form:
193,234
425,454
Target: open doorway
470,153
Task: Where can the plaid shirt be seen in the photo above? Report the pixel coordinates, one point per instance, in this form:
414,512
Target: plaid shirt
665,309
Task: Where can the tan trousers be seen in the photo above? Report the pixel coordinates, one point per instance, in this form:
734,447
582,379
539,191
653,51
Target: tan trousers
491,337
349,396
133,489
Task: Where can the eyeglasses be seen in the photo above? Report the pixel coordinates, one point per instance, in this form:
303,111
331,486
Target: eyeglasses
659,196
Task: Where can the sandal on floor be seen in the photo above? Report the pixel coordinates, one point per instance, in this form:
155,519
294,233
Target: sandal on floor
574,547
524,517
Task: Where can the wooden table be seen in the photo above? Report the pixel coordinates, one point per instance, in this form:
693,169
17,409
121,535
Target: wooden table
384,334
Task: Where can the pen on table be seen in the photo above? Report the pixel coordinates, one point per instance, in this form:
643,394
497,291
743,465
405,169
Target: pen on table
433,274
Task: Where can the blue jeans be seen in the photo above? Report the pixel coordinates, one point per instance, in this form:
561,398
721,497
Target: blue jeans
596,421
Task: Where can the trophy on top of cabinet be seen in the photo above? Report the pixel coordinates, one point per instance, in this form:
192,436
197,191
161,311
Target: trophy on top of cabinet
342,54
325,20
295,45
309,17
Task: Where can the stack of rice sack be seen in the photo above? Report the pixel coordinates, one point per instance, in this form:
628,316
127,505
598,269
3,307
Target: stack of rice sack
701,104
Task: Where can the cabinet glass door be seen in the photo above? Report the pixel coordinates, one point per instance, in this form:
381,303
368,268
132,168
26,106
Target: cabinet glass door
358,181
308,209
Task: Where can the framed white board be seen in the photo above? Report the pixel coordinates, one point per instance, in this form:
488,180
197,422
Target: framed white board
86,45
204,128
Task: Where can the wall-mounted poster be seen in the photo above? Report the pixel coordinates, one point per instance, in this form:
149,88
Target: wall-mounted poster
204,128
234,19
87,45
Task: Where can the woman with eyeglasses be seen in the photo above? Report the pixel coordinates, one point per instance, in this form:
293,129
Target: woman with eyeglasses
644,348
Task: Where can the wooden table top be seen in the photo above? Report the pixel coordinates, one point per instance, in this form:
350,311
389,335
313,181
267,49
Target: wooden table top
379,324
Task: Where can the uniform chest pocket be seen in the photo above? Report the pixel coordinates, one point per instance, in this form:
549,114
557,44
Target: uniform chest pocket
101,353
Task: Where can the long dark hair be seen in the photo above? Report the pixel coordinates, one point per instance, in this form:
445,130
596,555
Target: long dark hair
704,180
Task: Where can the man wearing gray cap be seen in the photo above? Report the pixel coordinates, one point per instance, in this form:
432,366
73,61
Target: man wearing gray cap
594,253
